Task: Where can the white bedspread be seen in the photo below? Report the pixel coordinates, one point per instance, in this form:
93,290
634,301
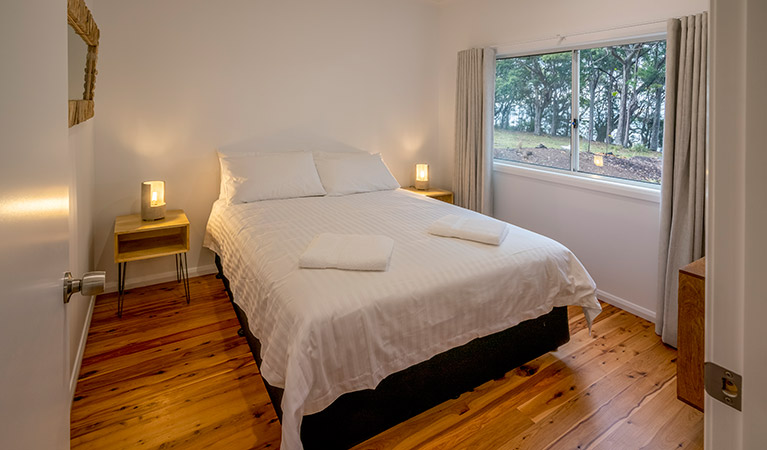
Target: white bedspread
328,332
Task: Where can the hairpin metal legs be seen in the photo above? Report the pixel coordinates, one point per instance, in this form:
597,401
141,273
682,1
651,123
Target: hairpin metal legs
178,269
121,270
182,273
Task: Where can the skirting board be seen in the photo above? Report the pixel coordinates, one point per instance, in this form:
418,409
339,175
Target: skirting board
148,280
80,351
626,305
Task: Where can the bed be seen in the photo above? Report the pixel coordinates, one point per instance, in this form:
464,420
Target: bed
347,354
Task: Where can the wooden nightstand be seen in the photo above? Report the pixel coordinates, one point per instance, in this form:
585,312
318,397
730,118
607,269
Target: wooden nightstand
439,194
136,240
690,386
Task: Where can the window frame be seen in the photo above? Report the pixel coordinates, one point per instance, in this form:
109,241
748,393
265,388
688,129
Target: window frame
576,42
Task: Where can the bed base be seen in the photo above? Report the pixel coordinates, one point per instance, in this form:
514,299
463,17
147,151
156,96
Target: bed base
358,416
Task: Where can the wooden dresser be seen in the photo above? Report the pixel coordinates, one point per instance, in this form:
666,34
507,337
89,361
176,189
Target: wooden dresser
692,314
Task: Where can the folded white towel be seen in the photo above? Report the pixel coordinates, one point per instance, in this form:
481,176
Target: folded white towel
348,252
485,229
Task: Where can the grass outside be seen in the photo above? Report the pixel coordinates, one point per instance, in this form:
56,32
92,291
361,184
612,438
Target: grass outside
520,139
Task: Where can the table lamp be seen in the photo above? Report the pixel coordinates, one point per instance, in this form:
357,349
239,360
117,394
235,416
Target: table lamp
422,176
152,200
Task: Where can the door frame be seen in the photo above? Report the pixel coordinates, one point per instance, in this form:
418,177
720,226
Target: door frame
736,213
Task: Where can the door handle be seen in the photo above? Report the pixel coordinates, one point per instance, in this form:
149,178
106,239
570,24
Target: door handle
92,283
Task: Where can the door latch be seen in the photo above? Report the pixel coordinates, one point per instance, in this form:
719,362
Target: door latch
724,385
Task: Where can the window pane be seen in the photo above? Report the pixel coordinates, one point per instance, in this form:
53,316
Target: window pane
533,108
621,108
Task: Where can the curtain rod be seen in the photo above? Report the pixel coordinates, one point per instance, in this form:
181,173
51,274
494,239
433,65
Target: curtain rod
562,37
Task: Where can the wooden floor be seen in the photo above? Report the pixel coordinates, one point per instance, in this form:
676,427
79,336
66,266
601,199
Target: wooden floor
171,375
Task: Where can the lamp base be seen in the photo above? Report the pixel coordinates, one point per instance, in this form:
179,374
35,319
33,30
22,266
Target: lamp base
422,185
153,213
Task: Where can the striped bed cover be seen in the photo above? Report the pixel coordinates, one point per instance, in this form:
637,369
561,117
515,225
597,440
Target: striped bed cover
328,332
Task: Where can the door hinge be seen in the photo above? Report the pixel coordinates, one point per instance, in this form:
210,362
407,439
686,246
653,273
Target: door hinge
724,385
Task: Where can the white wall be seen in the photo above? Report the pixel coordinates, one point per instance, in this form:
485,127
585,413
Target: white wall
615,237
81,196
180,78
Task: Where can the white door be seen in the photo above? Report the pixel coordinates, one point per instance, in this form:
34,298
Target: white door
736,303
34,213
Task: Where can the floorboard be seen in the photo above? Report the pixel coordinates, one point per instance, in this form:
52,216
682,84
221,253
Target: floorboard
171,375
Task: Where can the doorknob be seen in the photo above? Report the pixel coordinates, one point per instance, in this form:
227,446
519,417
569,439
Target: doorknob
92,283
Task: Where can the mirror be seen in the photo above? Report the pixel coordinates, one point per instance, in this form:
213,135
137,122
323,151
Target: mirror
82,61
77,51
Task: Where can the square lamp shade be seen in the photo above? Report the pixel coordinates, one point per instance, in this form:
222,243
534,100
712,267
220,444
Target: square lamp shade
422,176
152,200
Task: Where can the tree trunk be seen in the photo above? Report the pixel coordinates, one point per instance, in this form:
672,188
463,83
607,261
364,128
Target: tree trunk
504,114
655,133
622,113
633,103
538,116
630,113
609,119
592,93
530,118
630,110
554,118
626,63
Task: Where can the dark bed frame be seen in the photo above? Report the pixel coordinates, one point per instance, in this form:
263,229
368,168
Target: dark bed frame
358,416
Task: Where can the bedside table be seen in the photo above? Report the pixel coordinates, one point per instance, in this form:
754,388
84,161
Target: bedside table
439,194
136,239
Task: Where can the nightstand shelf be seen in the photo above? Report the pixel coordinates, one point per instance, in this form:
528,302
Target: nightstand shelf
146,253
136,239
438,194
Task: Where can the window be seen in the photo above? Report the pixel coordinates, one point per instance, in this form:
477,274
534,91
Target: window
615,101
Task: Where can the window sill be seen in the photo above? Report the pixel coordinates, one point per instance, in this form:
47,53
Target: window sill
635,190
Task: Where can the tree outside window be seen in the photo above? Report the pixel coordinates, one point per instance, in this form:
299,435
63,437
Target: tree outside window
619,104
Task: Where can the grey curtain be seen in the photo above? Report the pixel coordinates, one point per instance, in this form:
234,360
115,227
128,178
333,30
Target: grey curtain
684,165
474,129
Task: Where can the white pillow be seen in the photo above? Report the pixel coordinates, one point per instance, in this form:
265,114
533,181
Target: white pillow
351,173
266,176
222,176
